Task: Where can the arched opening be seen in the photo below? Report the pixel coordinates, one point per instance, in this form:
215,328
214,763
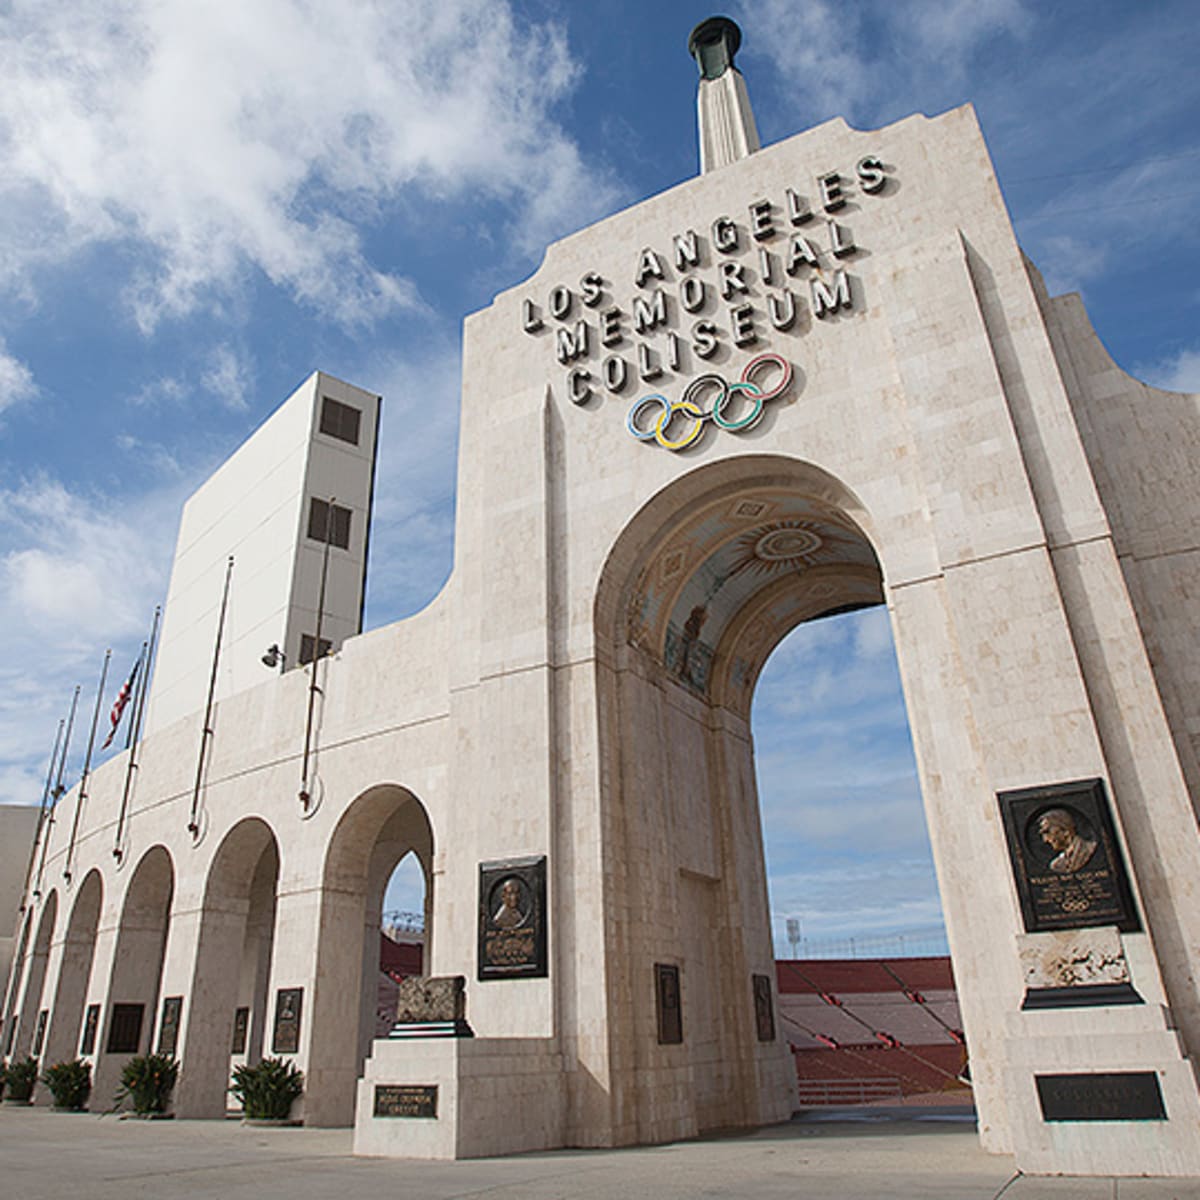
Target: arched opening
401,936
377,831
866,995
30,1024
223,1026
133,987
701,586
75,971
13,989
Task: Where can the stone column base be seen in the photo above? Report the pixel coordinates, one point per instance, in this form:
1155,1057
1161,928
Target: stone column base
1127,1043
494,1096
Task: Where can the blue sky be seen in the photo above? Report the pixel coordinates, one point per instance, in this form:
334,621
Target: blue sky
203,203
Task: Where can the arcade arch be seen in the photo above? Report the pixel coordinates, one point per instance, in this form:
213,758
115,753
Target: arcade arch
698,590
35,979
14,985
75,971
379,828
137,969
228,1015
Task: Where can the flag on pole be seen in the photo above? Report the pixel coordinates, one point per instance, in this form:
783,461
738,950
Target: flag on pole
121,701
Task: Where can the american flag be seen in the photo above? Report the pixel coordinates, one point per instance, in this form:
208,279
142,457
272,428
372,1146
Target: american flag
119,704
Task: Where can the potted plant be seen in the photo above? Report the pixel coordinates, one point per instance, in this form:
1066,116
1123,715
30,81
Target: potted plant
20,1078
268,1089
147,1082
70,1084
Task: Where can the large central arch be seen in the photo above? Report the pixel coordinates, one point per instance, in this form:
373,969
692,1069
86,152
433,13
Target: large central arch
700,586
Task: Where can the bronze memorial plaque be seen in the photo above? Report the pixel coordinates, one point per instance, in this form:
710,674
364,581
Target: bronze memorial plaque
241,1023
667,1004
1066,859
512,919
168,1030
1115,1096
764,1009
286,1038
125,1029
406,1099
91,1022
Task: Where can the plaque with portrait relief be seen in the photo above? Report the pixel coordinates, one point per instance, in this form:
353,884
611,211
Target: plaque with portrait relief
241,1024
91,1022
512,919
764,1008
168,1030
1066,859
668,1004
286,1036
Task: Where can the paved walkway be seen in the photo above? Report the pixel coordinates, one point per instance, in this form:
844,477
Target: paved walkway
926,1156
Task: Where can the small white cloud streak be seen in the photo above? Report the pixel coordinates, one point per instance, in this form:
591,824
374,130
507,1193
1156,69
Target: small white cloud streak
206,139
819,47
16,380
1178,373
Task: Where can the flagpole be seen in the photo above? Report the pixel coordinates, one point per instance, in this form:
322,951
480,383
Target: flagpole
193,824
56,793
41,815
305,796
87,766
135,732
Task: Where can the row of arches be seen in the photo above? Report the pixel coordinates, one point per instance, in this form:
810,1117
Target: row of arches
154,970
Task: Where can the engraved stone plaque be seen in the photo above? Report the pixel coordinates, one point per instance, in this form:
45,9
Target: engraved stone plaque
286,1037
168,1030
241,1023
406,1100
764,1009
91,1022
1066,859
512,919
1116,1096
438,998
667,1004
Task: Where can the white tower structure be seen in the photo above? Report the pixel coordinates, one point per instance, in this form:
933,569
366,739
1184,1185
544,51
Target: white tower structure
306,473
726,122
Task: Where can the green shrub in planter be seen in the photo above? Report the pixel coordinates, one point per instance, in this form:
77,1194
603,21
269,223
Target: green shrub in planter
70,1083
147,1082
20,1078
268,1089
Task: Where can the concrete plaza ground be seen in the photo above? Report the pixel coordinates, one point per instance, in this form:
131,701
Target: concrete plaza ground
922,1155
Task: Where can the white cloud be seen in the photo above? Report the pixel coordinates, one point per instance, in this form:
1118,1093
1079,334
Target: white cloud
208,139
229,377
82,572
831,66
1178,373
16,380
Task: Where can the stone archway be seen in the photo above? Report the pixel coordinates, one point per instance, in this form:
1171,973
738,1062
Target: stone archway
232,966
13,989
376,831
35,979
133,988
75,971
699,588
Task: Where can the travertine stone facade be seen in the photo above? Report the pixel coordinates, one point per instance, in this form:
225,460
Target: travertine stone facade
945,439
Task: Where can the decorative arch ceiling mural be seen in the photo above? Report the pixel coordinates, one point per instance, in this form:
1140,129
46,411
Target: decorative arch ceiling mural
719,589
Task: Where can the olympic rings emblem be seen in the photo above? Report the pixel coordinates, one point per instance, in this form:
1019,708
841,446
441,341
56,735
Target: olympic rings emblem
719,396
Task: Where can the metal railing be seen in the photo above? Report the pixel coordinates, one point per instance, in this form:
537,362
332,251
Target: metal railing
816,1092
